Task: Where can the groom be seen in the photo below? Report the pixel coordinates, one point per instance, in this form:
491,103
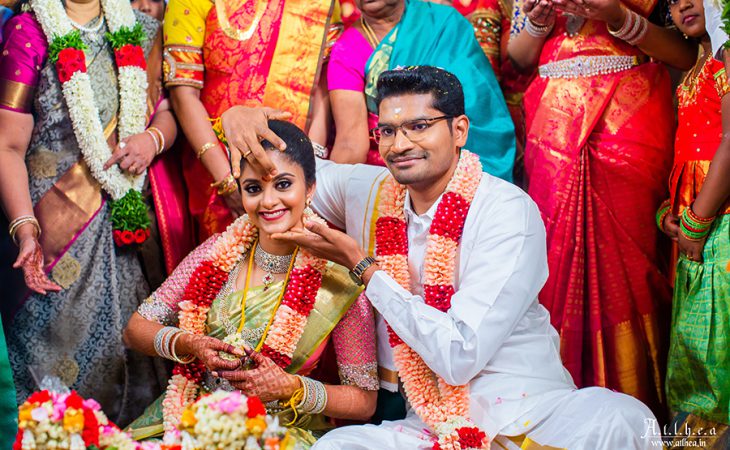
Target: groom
459,260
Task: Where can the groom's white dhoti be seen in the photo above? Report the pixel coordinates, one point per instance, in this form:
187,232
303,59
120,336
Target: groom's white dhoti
496,337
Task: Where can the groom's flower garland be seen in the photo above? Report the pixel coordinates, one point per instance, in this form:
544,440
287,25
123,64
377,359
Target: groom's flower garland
444,408
206,282
129,212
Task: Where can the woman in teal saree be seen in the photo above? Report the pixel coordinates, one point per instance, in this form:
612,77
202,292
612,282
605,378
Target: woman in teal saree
411,33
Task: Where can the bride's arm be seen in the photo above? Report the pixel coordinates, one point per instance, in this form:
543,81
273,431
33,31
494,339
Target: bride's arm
354,399
354,341
161,309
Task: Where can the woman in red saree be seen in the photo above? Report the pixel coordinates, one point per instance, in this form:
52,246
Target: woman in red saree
599,124
224,53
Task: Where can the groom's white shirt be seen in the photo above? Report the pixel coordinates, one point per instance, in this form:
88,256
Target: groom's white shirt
496,336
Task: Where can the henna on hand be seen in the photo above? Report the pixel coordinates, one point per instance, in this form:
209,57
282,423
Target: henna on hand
30,260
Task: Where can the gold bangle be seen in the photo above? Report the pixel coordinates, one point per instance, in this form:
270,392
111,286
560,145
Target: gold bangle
226,186
19,222
160,141
205,148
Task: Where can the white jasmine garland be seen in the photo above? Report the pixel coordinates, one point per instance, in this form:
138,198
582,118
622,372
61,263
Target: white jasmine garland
79,96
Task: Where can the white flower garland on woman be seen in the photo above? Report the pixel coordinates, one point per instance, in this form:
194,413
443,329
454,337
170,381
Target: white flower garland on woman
129,213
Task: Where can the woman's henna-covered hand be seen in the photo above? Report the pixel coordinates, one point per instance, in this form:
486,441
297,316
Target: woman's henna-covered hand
267,380
30,259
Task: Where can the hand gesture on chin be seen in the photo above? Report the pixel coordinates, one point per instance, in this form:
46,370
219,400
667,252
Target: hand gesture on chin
324,242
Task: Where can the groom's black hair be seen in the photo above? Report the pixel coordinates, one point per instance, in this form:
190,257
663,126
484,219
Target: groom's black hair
448,94
298,148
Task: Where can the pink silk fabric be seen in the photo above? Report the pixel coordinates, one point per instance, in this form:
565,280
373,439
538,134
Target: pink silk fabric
23,55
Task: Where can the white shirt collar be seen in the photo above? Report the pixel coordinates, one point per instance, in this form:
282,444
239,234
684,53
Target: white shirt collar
410,213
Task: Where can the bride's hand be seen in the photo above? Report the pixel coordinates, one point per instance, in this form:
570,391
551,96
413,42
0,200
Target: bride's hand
266,381
206,349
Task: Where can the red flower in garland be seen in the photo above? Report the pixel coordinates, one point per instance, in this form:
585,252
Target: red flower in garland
130,55
74,400
471,437
255,407
117,235
70,61
393,338
140,236
127,237
18,444
39,397
90,434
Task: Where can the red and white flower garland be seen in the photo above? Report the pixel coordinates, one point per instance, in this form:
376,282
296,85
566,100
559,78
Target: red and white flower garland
205,283
129,213
444,408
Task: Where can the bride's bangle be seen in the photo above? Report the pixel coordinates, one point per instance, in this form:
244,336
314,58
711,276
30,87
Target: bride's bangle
537,31
315,396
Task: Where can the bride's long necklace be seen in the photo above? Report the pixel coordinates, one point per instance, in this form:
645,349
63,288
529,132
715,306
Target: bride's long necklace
272,264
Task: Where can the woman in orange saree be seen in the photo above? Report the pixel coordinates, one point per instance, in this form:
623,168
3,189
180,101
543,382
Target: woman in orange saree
224,53
599,124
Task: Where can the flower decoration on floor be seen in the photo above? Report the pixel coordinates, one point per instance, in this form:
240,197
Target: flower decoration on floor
229,420
50,420
130,221
444,408
283,333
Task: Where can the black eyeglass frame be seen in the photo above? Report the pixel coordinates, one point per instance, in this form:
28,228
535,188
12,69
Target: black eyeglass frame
377,136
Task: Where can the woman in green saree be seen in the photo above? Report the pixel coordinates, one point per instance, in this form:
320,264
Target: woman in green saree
280,305
401,33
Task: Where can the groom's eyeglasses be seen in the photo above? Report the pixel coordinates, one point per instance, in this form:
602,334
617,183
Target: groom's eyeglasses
414,130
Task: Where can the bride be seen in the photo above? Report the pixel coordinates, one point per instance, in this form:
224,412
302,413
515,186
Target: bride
244,311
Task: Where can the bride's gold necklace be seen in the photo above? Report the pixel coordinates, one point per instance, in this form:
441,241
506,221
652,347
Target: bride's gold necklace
369,33
233,32
258,334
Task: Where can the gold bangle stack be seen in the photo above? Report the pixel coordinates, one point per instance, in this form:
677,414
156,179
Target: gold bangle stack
204,148
19,222
226,186
158,137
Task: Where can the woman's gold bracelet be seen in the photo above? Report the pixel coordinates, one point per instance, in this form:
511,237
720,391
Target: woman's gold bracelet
204,148
19,222
226,186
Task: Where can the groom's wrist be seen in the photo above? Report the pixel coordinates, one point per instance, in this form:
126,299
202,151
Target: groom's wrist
369,272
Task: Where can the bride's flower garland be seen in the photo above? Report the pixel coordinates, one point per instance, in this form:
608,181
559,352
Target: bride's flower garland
129,212
205,283
444,408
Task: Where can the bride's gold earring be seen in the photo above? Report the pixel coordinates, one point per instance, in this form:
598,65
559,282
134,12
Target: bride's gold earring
307,210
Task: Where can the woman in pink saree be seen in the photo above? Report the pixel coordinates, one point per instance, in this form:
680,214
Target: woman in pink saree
599,124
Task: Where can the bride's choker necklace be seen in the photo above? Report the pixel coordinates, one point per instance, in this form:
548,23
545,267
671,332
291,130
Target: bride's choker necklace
271,264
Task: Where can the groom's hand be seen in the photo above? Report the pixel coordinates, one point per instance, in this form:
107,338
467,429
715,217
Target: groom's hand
324,242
